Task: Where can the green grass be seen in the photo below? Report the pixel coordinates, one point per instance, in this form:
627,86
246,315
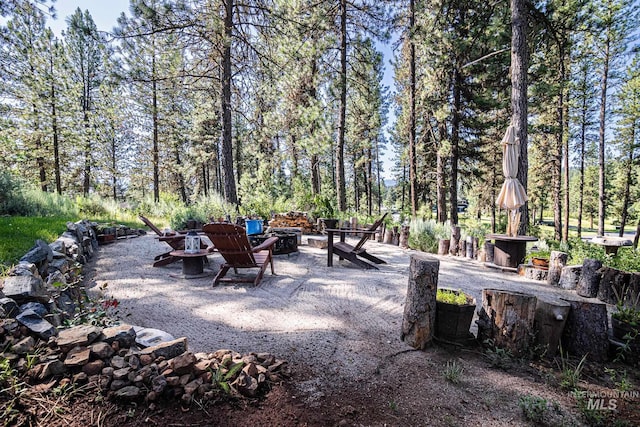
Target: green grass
18,234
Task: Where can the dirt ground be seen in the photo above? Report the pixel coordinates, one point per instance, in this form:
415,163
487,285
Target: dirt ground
339,329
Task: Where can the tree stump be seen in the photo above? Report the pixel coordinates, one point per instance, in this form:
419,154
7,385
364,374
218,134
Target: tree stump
462,247
549,323
388,236
507,318
404,236
613,285
570,276
469,248
476,248
420,306
455,239
395,240
557,261
536,273
443,246
589,278
586,331
488,249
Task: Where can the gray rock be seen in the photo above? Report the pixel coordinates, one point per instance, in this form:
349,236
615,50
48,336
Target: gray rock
149,337
9,306
125,335
81,335
37,324
118,362
128,393
24,346
58,246
24,268
65,303
35,306
25,288
39,253
94,367
121,374
118,384
55,279
59,264
54,319
168,350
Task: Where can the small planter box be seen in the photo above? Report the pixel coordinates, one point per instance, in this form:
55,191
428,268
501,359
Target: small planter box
453,321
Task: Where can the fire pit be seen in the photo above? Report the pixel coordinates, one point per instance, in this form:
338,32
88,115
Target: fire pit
286,244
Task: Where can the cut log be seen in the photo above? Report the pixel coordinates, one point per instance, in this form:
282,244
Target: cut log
488,249
443,246
586,331
613,285
388,236
396,236
570,276
551,317
462,247
476,247
420,306
404,236
506,318
589,278
536,273
557,261
469,248
455,239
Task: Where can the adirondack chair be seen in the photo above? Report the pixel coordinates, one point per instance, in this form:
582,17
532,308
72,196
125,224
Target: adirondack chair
233,244
176,242
355,253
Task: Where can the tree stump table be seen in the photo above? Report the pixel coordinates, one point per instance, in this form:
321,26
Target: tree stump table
509,251
192,264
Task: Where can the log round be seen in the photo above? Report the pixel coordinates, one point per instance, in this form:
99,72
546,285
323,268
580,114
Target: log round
404,237
551,317
570,276
589,278
443,246
462,247
488,249
507,318
586,330
613,285
455,239
557,261
420,306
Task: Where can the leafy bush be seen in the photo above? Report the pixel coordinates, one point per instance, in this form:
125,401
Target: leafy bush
424,235
627,259
449,296
204,209
20,199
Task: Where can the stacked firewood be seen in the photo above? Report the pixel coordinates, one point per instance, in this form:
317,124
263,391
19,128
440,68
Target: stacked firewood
291,220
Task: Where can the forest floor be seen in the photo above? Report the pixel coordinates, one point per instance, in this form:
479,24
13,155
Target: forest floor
339,329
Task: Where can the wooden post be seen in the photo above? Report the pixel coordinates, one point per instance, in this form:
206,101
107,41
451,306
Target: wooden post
469,247
476,245
462,247
589,278
557,260
488,249
388,236
507,319
420,306
549,324
455,238
570,276
586,331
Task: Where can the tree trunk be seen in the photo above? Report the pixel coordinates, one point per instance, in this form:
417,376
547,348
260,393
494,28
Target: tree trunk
507,319
413,174
557,261
637,236
589,278
440,177
420,306
601,142
154,119
550,320
586,331
342,113
443,246
228,179
519,67
404,237
455,142
627,185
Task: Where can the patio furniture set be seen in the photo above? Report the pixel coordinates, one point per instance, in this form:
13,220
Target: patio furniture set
246,251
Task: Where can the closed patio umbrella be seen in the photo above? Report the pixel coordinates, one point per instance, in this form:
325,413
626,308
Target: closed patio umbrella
512,194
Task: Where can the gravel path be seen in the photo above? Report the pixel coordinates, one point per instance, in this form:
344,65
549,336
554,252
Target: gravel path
339,320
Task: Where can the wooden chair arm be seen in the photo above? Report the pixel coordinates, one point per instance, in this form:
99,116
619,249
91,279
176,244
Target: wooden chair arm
266,244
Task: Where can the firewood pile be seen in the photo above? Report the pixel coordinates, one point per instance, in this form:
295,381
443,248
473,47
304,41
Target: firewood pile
293,219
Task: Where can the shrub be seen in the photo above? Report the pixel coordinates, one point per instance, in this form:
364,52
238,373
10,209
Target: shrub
424,235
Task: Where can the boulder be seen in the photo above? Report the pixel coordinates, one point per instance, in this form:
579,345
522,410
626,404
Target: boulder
25,288
77,356
125,335
81,335
9,307
183,363
35,306
168,350
37,324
